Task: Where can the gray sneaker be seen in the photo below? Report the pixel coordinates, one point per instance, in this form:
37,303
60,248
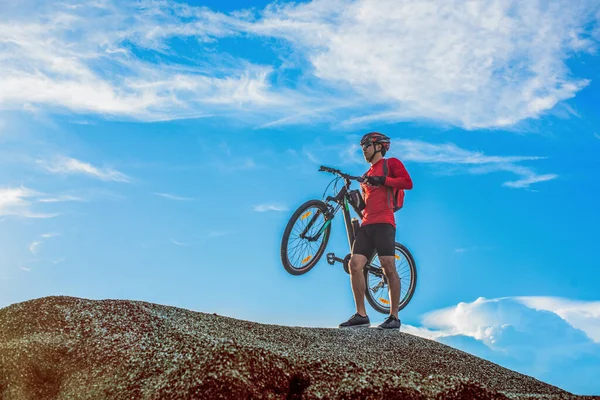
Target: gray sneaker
390,323
356,321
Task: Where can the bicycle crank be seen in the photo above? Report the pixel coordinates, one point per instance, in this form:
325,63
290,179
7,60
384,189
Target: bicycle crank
346,263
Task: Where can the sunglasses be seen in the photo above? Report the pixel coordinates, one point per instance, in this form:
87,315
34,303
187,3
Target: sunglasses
366,145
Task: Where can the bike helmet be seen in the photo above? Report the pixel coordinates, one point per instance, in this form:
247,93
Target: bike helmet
377,138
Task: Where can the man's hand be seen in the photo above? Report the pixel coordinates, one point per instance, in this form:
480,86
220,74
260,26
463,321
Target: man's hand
375,180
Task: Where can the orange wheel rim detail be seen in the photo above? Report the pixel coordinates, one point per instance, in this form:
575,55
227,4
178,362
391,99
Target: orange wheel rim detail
306,259
306,215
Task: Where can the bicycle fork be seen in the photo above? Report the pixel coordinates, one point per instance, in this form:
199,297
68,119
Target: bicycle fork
316,236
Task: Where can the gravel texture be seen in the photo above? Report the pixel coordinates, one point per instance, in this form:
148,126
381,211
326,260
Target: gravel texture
71,348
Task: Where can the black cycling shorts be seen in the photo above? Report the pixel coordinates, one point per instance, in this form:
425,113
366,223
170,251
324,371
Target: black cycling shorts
371,237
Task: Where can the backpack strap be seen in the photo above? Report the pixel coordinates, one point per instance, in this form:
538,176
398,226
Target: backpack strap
390,191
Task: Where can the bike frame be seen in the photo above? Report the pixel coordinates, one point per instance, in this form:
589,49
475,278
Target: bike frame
342,200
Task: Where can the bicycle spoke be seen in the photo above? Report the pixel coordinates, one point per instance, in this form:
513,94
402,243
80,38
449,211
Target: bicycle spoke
298,252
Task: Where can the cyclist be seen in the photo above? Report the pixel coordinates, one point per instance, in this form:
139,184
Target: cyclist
378,229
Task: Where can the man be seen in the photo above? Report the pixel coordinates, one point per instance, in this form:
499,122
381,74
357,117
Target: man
378,229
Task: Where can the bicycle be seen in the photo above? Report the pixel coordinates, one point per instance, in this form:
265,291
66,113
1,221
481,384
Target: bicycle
315,217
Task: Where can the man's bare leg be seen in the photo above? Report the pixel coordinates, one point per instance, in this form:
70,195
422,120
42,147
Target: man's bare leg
388,263
357,280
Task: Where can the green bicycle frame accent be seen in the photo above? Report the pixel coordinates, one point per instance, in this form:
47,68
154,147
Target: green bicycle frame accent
311,223
342,201
325,225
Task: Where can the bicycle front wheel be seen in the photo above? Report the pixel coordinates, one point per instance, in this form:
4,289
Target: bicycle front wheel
377,290
305,237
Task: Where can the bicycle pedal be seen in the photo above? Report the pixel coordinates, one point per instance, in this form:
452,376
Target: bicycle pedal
331,258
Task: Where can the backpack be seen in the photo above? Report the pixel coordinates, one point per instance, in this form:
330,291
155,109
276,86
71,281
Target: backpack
397,194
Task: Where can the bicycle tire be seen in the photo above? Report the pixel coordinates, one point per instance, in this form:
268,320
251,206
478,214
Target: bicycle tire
404,300
314,259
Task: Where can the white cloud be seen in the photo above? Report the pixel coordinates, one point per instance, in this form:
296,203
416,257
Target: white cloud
474,64
270,207
98,69
174,197
179,243
311,156
439,155
18,202
422,332
67,165
34,247
49,235
423,152
528,176
584,315
523,183
553,339
352,154
58,199
476,162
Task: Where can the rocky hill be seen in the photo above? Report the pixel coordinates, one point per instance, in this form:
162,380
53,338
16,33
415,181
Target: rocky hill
72,348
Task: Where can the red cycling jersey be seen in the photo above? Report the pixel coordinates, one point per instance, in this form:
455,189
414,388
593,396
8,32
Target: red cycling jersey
378,209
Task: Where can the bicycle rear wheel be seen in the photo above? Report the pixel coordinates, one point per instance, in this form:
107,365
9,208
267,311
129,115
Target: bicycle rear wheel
305,237
377,290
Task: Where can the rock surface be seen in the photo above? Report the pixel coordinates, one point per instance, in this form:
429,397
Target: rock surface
72,348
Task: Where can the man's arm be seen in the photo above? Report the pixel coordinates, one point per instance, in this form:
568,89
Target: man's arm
398,176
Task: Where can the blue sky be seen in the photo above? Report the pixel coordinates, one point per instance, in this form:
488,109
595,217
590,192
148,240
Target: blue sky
155,151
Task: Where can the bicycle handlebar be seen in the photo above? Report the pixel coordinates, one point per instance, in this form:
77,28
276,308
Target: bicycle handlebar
340,173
